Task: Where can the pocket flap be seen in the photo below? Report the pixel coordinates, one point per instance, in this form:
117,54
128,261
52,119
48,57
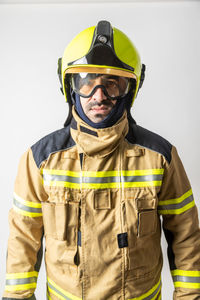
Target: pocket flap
145,204
134,152
70,154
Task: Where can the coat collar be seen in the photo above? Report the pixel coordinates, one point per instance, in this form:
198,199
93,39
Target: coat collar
97,142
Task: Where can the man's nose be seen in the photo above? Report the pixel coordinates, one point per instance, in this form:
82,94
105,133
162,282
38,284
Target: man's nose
99,95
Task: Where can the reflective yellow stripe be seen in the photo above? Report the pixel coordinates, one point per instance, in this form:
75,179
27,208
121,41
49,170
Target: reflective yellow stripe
155,297
27,214
143,172
59,292
48,295
186,279
21,275
177,211
62,184
185,273
103,173
176,200
178,205
142,184
78,174
187,285
103,179
111,185
26,208
21,281
20,287
151,294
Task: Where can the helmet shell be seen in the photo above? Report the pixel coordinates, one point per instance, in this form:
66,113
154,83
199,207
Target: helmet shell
121,48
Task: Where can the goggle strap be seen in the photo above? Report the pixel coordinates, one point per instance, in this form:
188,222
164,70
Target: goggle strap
104,91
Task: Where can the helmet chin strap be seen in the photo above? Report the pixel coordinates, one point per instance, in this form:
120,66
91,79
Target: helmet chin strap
112,118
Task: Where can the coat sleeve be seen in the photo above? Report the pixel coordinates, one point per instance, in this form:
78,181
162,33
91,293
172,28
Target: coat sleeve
181,227
24,252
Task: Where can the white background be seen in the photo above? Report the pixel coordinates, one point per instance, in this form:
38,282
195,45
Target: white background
32,37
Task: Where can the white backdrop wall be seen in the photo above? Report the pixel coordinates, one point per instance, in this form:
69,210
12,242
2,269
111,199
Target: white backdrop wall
32,37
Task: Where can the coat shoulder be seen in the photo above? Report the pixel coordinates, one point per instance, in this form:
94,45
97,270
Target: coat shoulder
148,139
56,141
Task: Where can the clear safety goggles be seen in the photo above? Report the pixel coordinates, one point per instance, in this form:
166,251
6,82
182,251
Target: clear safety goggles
114,87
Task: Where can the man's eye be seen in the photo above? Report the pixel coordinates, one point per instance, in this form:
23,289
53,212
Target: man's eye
111,83
85,82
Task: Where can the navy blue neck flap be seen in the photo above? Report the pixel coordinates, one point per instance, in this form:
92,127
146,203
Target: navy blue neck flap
112,118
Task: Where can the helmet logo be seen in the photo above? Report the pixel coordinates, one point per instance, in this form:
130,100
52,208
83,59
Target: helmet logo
102,38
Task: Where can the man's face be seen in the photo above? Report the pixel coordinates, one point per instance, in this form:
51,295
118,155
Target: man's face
99,93
97,107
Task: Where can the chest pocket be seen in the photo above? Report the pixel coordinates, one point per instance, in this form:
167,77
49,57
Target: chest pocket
144,241
61,221
146,216
61,232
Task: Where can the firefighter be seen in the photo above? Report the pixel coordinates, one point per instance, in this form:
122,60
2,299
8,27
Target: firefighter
98,189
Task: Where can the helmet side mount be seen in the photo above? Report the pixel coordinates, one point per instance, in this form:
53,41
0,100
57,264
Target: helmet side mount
59,72
142,75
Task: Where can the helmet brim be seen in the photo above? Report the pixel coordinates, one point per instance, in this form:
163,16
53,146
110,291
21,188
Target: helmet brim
100,70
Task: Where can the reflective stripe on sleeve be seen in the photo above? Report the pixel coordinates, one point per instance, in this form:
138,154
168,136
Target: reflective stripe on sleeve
48,294
176,206
103,179
21,281
186,279
26,208
59,292
151,294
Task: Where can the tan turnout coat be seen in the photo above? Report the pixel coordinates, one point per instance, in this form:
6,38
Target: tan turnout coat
99,197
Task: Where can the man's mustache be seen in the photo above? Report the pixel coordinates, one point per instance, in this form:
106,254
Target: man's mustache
105,102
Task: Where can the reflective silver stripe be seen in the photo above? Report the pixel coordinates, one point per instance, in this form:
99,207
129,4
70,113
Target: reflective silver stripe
26,208
21,281
49,177
101,179
58,292
142,178
110,179
176,205
154,293
186,279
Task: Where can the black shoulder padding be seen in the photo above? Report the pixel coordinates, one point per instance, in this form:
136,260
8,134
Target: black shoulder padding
143,137
56,141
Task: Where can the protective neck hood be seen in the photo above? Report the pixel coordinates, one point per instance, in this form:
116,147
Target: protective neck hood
97,142
115,114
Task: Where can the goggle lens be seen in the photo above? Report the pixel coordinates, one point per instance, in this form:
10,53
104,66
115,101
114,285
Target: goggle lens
85,84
